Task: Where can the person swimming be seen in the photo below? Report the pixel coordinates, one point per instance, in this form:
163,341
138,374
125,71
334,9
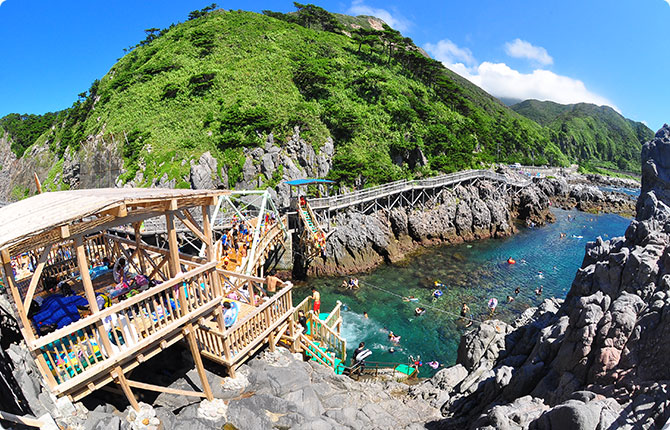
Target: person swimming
419,311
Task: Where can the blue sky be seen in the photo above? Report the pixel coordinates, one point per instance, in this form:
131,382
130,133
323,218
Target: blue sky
612,52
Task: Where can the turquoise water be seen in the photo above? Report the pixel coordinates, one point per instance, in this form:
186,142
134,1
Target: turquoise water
474,273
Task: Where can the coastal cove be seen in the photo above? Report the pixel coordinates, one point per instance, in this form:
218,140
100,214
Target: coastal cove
474,272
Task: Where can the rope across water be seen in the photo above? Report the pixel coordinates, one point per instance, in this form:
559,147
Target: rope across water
423,305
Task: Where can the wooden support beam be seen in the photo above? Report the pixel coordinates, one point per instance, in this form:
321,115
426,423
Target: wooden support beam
158,389
120,378
85,275
138,247
36,278
90,292
190,337
173,258
191,226
10,281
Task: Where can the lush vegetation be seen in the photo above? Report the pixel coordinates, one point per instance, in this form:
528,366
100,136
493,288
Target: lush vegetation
25,129
596,136
223,80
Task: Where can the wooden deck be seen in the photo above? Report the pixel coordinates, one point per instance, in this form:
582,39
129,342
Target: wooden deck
185,303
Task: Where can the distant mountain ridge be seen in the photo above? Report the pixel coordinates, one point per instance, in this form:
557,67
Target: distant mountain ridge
590,133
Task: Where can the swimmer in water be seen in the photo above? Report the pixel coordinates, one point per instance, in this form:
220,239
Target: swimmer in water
517,290
510,299
539,291
365,315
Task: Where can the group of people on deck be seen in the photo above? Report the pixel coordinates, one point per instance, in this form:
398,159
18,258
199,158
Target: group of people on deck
236,241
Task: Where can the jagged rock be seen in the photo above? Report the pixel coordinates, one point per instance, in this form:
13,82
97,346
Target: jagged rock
204,174
361,242
483,344
604,337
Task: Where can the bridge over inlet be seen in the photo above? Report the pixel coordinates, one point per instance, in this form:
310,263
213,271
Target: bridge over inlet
408,193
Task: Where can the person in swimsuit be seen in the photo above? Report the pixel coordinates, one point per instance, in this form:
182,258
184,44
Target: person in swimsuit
317,301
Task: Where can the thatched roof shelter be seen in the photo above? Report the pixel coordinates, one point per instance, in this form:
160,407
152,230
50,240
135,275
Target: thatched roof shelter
41,219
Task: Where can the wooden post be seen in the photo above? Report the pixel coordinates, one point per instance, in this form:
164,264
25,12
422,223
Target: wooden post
10,281
211,250
138,245
190,337
85,275
37,274
121,379
90,292
38,185
173,258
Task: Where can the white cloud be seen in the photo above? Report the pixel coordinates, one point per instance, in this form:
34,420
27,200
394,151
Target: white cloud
395,20
521,49
448,52
501,80
2,1
668,2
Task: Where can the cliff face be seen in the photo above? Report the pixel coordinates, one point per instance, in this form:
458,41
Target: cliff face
600,360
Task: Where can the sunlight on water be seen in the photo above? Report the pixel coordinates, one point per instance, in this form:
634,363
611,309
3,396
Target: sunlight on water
473,273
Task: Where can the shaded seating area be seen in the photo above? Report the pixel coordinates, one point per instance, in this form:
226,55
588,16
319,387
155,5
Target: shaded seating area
81,335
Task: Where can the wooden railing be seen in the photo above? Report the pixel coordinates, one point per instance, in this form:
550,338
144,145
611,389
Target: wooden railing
244,288
61,261
329,338
368,194
71,355
272,235
378,368
334,317
238,341
323,331
302,306
318,355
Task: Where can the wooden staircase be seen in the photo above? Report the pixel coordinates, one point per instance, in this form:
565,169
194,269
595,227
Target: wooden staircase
312,238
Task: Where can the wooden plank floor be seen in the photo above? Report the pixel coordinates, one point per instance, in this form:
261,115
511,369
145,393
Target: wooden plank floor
245,309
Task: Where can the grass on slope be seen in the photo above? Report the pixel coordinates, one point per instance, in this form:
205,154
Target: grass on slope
594,135
223,81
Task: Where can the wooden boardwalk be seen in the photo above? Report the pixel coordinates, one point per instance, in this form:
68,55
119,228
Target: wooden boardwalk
64,236
391,189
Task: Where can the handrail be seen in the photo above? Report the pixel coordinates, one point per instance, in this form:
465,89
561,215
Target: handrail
340,345
268,237
406,185
331,362
115,308
287,287
333,314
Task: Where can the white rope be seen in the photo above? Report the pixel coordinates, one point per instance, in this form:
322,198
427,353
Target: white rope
424,305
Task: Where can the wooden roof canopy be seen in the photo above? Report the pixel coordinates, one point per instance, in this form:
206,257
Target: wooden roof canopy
49,217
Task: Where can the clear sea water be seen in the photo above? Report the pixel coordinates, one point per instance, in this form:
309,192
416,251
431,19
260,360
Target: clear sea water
474,273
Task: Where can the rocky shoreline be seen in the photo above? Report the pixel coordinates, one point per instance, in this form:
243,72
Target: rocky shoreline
596,361
465,213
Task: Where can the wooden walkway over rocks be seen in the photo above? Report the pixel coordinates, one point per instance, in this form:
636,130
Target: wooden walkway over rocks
406,193
86,330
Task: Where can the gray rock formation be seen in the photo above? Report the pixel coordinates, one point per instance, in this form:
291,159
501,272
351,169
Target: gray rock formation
597,362
361,242
271,165
204,174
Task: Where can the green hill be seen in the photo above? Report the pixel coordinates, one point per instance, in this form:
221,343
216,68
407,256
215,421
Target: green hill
223,80
596,135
